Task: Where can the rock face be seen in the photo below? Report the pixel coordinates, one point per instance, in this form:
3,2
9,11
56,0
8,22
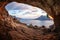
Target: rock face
52,7
11,29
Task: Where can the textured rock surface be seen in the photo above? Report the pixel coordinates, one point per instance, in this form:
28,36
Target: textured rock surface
52,7
10,29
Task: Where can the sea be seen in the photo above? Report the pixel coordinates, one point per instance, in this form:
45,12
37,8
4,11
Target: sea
39,23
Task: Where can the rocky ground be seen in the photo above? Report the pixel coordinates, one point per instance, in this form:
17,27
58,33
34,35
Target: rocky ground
12,29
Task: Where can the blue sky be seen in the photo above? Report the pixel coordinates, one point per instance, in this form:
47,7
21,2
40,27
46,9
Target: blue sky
24,11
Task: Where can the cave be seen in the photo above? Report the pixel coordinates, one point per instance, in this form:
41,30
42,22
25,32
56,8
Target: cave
28,14
52,7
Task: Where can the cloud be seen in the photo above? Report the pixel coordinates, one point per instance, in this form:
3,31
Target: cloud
24,11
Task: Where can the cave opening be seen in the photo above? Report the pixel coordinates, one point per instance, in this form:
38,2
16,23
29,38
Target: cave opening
29,14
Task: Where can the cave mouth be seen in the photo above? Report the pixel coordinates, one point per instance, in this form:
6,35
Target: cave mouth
28,12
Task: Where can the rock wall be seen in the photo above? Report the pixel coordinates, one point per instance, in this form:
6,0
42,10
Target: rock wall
52,7
9,29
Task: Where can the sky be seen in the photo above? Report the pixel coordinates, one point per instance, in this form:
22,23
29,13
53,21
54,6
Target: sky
24,11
